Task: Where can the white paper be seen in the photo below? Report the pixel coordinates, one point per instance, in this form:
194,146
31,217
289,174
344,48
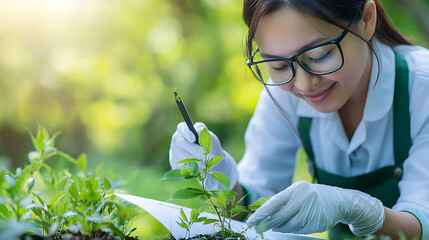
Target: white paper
169,214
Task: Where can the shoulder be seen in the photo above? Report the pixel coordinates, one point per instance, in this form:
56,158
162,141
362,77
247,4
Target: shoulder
418,61
417,58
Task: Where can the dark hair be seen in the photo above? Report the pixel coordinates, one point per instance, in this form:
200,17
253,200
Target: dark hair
336,12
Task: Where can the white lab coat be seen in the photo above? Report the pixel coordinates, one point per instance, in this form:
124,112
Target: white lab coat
269,160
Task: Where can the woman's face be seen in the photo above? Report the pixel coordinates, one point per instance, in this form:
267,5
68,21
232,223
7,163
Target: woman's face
286,32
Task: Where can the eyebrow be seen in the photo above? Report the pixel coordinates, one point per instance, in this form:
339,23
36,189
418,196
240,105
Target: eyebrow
314,42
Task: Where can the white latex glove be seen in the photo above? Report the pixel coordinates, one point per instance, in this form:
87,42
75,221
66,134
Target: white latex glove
183,147
308,208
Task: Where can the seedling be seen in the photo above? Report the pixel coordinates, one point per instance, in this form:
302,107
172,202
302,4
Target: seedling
221,202
47,202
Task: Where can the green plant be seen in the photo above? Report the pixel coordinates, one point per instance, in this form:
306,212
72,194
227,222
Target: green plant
187,222
58,202
221,202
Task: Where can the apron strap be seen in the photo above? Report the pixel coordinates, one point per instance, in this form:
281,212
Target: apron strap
304,126
401,113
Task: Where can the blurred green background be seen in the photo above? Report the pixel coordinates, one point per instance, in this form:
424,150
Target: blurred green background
103,72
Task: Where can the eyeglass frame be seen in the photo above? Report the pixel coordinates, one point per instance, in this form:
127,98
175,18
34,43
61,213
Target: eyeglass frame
293,59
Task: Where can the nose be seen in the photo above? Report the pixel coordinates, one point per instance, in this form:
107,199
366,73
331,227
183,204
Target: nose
304,81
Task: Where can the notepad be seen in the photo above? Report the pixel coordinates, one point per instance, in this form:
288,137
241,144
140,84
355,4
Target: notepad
169,214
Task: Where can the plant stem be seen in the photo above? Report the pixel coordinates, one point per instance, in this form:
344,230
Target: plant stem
218,214
204,190
214,206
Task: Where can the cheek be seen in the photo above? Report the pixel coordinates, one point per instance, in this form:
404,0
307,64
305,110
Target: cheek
355,58
339,76
287,87
350,72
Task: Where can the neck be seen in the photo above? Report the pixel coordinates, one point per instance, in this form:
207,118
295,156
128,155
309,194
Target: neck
351,112
359,95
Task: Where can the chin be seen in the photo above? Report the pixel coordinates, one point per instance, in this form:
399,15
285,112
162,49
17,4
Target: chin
324,107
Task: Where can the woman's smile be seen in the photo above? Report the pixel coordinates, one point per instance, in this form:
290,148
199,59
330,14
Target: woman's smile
315,96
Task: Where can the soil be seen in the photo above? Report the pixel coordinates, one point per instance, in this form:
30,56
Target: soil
98,235
216,236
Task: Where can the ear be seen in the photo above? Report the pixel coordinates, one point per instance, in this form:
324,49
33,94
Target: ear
369,19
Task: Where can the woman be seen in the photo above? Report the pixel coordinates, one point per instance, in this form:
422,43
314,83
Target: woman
354,92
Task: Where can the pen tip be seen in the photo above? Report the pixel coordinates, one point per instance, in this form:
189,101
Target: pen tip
176,96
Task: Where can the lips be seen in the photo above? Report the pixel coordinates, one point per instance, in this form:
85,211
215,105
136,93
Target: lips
319,95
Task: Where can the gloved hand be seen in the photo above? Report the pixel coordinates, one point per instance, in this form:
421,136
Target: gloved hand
183,147
308,208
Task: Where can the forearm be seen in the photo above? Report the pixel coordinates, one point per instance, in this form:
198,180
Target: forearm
396,222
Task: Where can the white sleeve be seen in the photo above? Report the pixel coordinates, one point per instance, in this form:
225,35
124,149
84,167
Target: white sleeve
268,163
414,184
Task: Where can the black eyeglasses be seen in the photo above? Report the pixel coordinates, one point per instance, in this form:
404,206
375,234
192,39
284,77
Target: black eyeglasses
321,59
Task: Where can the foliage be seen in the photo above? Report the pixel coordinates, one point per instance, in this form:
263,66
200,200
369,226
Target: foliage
65,202
222,202
102,73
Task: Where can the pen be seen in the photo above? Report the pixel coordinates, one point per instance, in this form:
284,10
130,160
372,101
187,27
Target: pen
186,116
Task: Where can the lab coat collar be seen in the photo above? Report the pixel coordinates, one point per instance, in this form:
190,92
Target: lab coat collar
380,92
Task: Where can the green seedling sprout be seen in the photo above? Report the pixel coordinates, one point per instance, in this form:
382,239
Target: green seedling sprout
222,202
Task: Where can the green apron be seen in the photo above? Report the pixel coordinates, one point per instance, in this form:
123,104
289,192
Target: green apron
382,183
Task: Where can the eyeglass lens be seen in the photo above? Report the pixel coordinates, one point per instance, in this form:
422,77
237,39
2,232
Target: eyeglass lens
320,60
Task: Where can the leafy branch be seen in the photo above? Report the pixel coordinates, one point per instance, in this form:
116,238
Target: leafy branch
222,202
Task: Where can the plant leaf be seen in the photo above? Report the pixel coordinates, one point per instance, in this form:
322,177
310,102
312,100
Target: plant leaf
53,200
215,160
82,162
183,215
31,184
186,173
238,209
222,178
187,193
258,203
112,227
175,173
51,142
194,215
37,211
183,225
191,165
94,184
205,141
5,214
208,221
201,219
33,140
223,193
68,157
92,196
41,201
42,134
107,184
74,192
190,160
